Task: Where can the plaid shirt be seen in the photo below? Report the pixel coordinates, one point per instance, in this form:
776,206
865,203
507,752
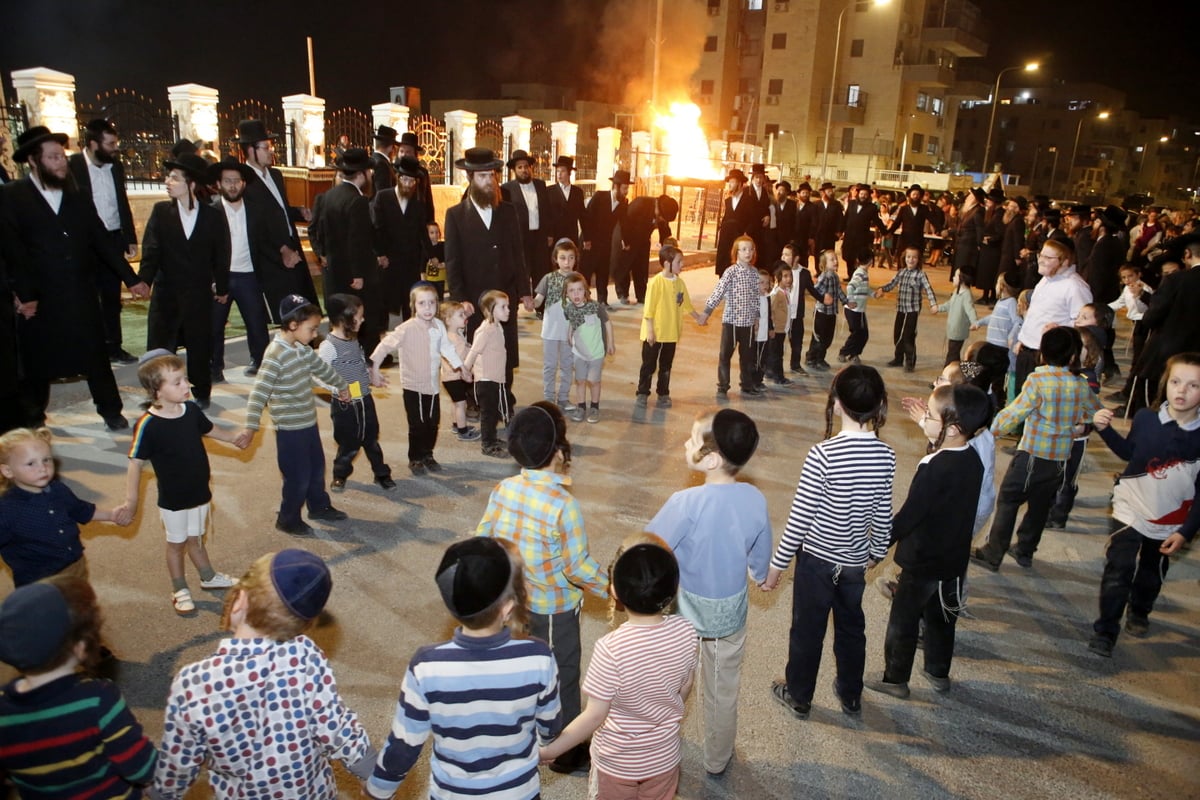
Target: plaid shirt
738,287
908,295
535,511
1054,400
830,283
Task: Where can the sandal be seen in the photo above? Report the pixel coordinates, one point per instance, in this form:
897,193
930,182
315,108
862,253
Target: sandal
182,600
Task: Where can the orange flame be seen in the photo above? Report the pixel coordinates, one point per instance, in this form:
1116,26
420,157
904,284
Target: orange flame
685,143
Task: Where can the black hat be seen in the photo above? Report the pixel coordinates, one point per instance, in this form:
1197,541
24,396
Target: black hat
622,177
409,138
645,578
827,185
1012,279
478,159
785,185
385,135
736,174
978,193
355,159
736,436
1080,210
565,161
520,155
290,303
473,575
408,166
229,162
31,139
668,207
251,131
916,187
804,187
96,127
1022,203
1052,215
190,163
34,622
758,169
1113,217
533,435
184,146
302,581
996,195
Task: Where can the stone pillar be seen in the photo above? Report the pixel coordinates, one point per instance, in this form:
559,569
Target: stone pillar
460,125
393,115
641,165
565,135
49,97
196,108
308,114
516,134
608,141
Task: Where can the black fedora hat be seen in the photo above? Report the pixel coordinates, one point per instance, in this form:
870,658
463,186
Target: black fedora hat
409,138
916,187
520,155
229,162
621,177
978,194
33,138
758,169
478,159
183,146
193,165
355,159
385,134
1113,217
996,195
251,131
565,161
408,166
736,174
827,185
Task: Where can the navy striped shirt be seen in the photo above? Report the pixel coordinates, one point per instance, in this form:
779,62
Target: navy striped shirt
842,511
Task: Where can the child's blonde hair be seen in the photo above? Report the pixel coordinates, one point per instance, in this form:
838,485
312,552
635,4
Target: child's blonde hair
15,438
487,303
265,609
151,375
447,309
1023,299
827,260
418,287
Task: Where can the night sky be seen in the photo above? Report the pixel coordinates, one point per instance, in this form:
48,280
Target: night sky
466,48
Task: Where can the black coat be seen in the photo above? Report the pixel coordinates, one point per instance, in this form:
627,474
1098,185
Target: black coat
402,238
52,258
911,224
1010,246
805,228
479,258
860,219
599,222
512,192
1103,269
564,213
342,216
272,227
195,267
1172,321
828,224
989,250
968,236
383,176
79,168
744,220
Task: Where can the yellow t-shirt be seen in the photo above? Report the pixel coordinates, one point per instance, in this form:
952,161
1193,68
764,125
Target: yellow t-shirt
666,301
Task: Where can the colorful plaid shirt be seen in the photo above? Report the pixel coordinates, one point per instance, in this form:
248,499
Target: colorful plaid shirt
535,511
1051,403
830,284
908,284
738,287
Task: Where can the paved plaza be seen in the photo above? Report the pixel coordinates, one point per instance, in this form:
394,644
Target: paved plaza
1032,712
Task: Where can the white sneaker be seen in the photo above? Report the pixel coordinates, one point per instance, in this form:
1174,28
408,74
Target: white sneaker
218,581
182,600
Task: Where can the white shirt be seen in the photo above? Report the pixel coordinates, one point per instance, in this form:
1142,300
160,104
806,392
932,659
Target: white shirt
188,218
485,214
239,237
265,175
530,192
762,332
53,196
104,193
566,190
1056,299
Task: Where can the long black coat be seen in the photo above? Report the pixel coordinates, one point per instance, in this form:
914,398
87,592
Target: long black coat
271,227
805,229
599,222
989,250
1103,271
859,221
383,176
537,249
967,238
1172,322
828,224
401,236
83,178
564,213
1010,246
343,216
51,258
911,223
735,222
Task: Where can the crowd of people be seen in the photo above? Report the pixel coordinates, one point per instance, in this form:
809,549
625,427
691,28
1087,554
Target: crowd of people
263,712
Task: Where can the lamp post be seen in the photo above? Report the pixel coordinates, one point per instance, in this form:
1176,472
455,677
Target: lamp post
1032,66
837,44
795,152
1075,147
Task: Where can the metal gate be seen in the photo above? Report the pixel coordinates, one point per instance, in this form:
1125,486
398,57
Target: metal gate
352,123
13,121
541,146
251,109
147,130
432,136
489,133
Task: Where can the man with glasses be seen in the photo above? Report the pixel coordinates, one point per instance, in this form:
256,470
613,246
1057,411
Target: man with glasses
1055,301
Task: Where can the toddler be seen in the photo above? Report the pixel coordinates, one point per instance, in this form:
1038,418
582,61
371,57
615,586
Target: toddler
454,316
662,323
590,333
738,288
556,351
829,287
485,363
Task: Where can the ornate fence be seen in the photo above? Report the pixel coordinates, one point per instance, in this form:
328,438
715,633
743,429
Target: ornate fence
541,144
13,121
489,133
147,130
348,122
271,116
433,138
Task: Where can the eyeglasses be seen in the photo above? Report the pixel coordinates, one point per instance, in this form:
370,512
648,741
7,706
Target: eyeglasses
1048,257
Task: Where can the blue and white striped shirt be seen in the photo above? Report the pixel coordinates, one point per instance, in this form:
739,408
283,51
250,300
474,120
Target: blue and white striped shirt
488,702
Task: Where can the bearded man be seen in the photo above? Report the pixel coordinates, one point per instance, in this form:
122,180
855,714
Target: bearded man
401,243
528,195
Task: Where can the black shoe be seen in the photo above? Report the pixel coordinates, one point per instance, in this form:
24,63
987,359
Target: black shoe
250,371
337,485
940,685
1136,625
217,377
416,467
979,559
1101,645
753,391
799,370
300,528
895,362
782,696
851,707
386,483
121,356
1056,524
431,464
897,690
910,367
495,450
116,423
203,403
1021,559
329,514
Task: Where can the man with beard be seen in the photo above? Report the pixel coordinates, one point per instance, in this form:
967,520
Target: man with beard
602,241
230,178
760,193
99,173
645,215
402,244
1014,236
968,235
343,217
282,270
910,220
862,220
739,217
185,257
528,194
829,220
782,212
52,242
1077,223
564,202
381,162
484,251
988,267
804,231
409,147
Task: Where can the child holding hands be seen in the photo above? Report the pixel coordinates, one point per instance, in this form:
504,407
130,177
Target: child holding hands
485,363
454,316
667,299
557,359
909,283
590,333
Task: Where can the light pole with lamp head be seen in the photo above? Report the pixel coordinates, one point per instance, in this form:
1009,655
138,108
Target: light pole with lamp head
1032,66
1075,147
795,152
837,44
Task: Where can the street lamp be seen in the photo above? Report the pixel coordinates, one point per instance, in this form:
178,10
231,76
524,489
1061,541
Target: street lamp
1075,147
795,152
837,44
1032,66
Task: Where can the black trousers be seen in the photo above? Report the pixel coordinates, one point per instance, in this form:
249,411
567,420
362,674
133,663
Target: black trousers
741,336
774,357
822,336
1029,480
355,427
856,341
635,265
953,350
424,414
904,335
108,287
561,632
1064,500
796,338
1134,570
1027,362
491,397
656,357
243,290
179,316
33,392
820,588
935,602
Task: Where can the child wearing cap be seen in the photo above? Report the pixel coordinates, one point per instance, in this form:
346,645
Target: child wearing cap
535,511
284,381
487,698
264,709
63,732
718,532
637,680
662,322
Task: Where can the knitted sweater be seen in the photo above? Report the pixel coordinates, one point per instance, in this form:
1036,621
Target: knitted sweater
285,380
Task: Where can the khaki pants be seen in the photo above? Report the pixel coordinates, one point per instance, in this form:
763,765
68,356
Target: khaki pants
720,679
602,786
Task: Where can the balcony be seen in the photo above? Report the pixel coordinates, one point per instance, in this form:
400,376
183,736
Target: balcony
957,40
970,90
934,76
954,25
849,107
